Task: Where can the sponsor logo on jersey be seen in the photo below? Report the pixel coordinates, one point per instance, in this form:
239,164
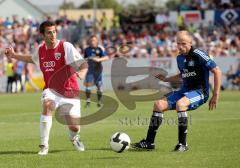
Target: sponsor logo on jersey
49,70
187,74
49,64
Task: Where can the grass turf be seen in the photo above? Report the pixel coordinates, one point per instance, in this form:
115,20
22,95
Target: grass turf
213,136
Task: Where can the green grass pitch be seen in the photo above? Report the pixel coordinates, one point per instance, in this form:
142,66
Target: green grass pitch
213,137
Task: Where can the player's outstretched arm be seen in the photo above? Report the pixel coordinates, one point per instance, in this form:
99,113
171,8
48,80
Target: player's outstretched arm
101,59
216,89
10,53
175,78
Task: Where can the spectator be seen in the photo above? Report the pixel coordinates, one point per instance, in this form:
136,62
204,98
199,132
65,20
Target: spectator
104,22
89,24
18,72
7,23
161,20
10,75
82,27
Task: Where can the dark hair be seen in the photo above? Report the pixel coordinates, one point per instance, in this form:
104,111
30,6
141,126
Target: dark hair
45,24
93,36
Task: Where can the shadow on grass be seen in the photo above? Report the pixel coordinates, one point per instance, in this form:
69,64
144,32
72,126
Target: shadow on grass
140,150
100,149
30,152
17,152
107,158
58,151
129,150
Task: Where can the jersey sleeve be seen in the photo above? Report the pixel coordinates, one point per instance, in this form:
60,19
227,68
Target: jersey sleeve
85,53
205,59
71,54
35,56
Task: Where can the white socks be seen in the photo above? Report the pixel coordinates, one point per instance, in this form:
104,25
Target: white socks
45,127
73,135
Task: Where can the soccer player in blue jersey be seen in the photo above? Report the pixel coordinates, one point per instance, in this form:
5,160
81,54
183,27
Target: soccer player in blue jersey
95,54
194,66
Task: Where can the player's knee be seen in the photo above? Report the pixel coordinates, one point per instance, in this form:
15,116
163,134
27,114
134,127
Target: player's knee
48,107
181,104
99,90
88,84
160,105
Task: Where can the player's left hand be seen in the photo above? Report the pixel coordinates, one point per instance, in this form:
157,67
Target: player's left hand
213,102
161,77
9,52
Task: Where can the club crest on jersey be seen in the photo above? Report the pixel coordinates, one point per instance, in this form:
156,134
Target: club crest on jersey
191,63
57,56
97,51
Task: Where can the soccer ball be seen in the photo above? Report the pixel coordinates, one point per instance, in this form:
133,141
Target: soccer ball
120,142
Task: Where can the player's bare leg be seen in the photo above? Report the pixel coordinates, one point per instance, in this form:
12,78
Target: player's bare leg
46,125
181,108
156,120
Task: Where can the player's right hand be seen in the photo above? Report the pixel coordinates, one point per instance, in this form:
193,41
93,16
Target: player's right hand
161,77
213,102
9,52
95,59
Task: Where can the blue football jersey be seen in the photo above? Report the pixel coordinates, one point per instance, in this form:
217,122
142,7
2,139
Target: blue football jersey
194,69
94,52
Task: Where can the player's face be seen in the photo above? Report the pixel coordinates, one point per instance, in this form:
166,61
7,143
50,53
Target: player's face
184,44
50,35
94,42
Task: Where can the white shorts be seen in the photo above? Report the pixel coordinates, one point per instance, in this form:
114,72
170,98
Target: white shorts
58,100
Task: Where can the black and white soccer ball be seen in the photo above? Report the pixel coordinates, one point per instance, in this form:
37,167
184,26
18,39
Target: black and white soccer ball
120,142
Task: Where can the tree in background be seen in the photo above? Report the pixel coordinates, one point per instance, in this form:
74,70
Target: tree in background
67,5
113,4
140,6
173,4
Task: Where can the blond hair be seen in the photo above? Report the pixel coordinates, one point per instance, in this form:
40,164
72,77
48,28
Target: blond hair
184,33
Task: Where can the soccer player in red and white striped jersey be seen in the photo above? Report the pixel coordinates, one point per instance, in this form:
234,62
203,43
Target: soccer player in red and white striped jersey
54,58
